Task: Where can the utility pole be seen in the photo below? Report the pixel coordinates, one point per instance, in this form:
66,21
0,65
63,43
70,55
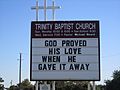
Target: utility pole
20,59
11,82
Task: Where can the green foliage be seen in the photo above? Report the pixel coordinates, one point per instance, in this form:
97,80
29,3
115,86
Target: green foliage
1,85
71,85
116,74
1,80
25,85
115,83
100,87
13,87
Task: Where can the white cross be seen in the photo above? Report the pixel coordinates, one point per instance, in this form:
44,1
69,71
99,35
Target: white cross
53,7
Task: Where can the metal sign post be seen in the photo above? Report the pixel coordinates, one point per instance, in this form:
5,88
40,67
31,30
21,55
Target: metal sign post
45,4
53,84
36,10
88,85
94,88
36,85
45,7
84,43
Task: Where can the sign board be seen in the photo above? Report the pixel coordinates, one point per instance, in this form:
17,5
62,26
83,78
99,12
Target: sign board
65,50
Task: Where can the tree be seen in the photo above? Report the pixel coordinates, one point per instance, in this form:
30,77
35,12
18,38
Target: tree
100,87
71,85
25,85
114,84
1,85
116,74
1,80
13,87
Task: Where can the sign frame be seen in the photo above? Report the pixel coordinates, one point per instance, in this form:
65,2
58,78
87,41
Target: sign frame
53,22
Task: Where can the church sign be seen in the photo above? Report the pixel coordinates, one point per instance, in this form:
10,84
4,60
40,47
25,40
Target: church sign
65,50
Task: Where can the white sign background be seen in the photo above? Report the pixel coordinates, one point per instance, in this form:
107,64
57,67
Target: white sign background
89,55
